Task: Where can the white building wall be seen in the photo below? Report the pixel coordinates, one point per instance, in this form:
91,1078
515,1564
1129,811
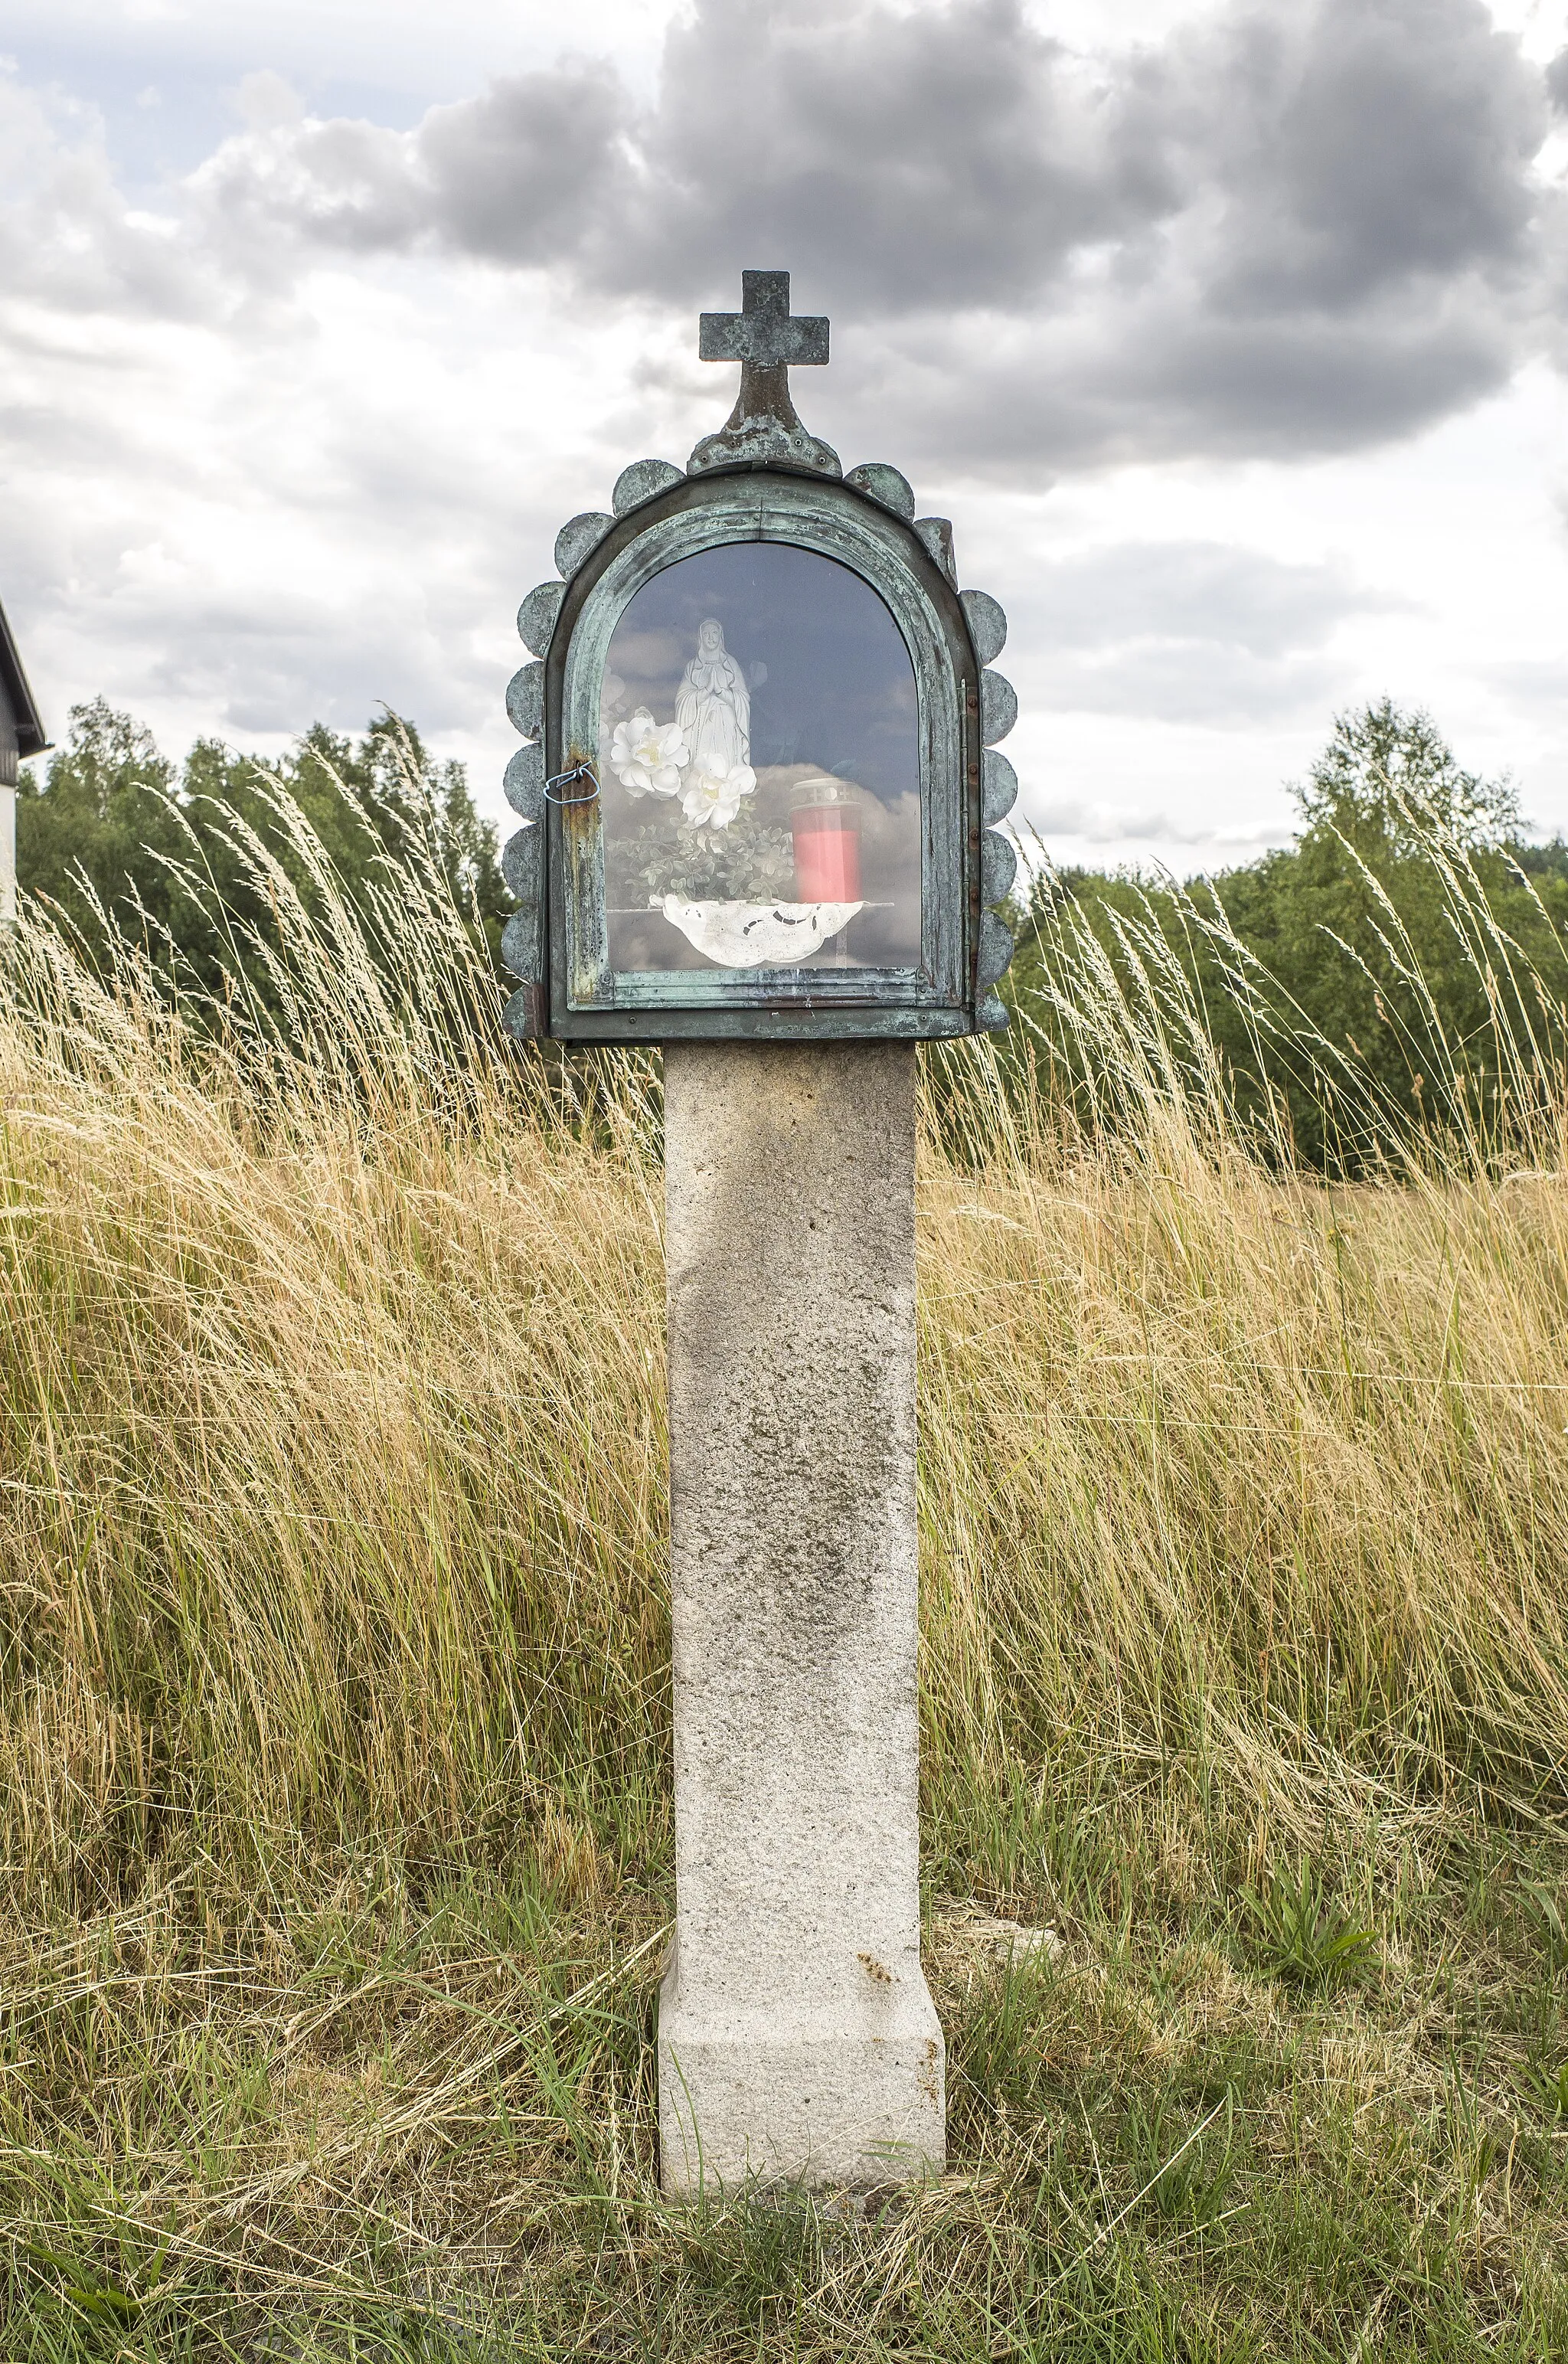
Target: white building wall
7,855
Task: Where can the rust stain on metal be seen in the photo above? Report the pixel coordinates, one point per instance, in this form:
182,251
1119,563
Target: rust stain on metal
575,811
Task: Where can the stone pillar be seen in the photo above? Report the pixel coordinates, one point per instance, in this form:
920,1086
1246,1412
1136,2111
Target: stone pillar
797,2037
7,856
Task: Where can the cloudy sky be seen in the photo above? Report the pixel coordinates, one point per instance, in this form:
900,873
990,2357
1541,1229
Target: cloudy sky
1231,338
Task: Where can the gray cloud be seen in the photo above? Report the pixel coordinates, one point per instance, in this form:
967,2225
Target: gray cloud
263,661
1109,825
953,156
1186,632
1304,226
1209,591
949,155
1163,377
1190,682
1364,144
1298,226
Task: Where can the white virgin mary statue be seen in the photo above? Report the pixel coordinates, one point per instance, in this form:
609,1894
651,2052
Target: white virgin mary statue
714,708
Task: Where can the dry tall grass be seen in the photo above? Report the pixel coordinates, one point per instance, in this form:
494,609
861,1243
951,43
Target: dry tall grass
331,1534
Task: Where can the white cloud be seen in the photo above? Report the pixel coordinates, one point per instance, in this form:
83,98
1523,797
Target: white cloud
265,102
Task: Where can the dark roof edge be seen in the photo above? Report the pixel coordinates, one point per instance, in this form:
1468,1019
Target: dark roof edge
31,737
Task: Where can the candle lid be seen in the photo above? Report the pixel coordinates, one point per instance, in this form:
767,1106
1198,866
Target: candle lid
807,795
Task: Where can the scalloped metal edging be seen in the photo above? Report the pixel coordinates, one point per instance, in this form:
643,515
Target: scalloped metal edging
523,1017
520,863
537,617
525,700
522,938
995,949
937,535
642,481
520,944
998,706
885,484
987,621
998,866
998,786
522,783
578,539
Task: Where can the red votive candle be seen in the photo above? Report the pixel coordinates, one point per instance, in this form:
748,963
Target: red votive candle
825,816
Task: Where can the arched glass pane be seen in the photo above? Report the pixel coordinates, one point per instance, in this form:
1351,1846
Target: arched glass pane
760,771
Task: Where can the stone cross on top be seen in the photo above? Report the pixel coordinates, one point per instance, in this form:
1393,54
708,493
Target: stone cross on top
767,341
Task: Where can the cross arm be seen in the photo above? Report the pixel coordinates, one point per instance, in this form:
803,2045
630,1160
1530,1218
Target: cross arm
768,344
800,343
763,332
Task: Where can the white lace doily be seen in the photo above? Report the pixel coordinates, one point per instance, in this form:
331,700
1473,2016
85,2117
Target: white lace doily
758,935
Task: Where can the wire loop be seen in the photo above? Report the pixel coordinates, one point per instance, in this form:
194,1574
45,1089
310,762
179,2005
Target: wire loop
584,771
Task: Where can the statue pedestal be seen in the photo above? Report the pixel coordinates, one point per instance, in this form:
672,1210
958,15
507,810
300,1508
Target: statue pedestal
797,2041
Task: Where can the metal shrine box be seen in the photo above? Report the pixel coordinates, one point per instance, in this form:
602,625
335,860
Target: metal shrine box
760,772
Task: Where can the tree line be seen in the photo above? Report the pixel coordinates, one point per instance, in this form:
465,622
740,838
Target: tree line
186,859
1400,968
1405,955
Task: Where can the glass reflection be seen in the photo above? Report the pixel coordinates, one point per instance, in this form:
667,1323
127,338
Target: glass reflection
758,766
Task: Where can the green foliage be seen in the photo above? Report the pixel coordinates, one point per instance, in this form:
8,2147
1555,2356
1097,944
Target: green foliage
1545,1906
1401,969
1187,2171
1387,783
189,865
103,828
1302,1935
748,2249
1546,2083
747,862
998,2056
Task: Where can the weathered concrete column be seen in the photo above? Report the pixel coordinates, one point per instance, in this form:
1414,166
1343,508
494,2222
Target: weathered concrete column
796,2036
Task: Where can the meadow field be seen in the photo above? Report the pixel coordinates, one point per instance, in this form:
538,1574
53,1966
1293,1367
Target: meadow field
333,1701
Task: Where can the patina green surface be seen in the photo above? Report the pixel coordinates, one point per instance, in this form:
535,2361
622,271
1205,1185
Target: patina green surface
701,513
763,479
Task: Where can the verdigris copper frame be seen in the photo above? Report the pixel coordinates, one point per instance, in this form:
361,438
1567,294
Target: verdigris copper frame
752,484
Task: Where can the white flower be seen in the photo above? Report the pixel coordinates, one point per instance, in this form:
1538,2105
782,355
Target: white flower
707,796
646,756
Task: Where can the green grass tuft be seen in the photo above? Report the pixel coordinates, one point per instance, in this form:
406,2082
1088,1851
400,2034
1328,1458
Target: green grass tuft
1302,1935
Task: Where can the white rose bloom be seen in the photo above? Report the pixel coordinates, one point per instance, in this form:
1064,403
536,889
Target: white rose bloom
708,796
646,756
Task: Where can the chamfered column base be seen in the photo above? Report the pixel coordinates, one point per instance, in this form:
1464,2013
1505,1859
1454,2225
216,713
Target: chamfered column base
791,2099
